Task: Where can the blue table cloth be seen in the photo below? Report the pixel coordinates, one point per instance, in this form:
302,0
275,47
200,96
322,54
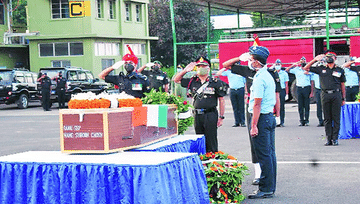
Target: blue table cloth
129,177
350,121
179,143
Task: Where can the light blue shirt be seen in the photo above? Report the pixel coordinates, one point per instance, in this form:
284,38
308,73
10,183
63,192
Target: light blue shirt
352,78
263,87
284,77
235,81
301,78
316,79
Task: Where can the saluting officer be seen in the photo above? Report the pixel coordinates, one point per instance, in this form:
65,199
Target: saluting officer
332,82
60,89
45,91
304,90
352,73
206,93
130,82
156,77
249,72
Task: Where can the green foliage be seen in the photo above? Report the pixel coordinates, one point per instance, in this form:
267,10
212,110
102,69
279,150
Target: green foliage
19,13
190,24
358,96
159,97
275,21
224,176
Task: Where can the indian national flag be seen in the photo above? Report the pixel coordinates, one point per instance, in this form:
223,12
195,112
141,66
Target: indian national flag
157,115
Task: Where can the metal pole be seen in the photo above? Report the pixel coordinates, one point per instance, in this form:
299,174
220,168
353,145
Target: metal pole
173,33
327,24
346,14
208,33
238,17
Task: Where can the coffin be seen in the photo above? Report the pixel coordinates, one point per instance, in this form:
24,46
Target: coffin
115,129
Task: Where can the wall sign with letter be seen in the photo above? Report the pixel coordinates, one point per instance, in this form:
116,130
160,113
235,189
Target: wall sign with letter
79,8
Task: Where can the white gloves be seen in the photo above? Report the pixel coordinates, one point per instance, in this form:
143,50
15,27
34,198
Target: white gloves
245,57
118,64
150,64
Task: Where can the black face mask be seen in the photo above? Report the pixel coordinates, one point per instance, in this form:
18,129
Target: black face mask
303,64
155,68
129,68
330,60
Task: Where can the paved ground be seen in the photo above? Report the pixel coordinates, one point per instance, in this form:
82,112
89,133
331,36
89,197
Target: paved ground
334,178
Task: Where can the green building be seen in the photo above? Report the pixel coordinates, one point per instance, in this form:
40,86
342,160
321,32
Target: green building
90,34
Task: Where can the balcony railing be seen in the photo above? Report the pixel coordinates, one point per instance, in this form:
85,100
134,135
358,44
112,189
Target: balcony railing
17,38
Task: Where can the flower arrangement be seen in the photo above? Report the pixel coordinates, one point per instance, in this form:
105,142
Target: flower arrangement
88,104
159,97
130,102
224,176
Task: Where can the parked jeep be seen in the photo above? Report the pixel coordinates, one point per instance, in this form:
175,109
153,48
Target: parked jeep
77,80
18,86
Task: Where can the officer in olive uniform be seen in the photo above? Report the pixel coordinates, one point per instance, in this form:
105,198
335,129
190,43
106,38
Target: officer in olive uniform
130,82
60,89
156,77
352,74
332,83
249,72
45,91
206,93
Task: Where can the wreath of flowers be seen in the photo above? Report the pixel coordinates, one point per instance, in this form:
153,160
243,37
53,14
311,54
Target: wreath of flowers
130,102
224,176
89,104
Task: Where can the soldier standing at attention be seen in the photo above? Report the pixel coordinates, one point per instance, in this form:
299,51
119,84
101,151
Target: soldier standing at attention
206,93
332,83
45,91
60,89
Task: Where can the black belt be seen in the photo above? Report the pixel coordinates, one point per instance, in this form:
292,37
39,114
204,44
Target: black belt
352,86
263,114
237,89
204,110
302,86
331,91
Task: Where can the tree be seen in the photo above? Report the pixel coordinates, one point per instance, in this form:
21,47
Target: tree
19,12
274,21
191,26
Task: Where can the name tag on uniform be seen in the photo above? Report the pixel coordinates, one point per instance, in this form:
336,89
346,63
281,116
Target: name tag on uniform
160,78
336,74
137,87
324,71
209,90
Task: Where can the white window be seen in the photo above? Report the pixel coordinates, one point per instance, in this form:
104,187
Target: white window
138,49
61,49
107,49
138,13
100,9
111,9
59,9
127,12
60,63
105,63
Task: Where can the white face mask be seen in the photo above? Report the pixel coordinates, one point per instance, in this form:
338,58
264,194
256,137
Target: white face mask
250,65
277,67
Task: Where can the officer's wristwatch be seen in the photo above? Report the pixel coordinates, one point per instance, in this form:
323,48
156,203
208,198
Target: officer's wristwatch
221,117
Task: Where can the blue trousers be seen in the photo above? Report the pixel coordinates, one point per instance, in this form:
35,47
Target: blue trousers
264,144
282,106
304,103
238,105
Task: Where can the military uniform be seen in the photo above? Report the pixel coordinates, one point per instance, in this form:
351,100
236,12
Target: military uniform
331,98
157,79
205,100
45,92
60,91
133,83
351,85
249,74
319,114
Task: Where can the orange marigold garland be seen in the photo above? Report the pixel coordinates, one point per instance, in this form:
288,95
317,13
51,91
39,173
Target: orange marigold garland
88,104
130,102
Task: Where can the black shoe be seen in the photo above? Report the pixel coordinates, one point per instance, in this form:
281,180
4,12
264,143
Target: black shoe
236,125
260,194
335,142
256,181
48,110
306,124
328,143
243,125
301,124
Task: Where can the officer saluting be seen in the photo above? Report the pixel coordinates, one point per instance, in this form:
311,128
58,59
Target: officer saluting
131,82
45,91
157,78
206,93
332,83
352,74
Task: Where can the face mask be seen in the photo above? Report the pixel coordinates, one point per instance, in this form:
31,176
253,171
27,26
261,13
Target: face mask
278,67
155,68
303,64
129,68
202,71
330,60
250,65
